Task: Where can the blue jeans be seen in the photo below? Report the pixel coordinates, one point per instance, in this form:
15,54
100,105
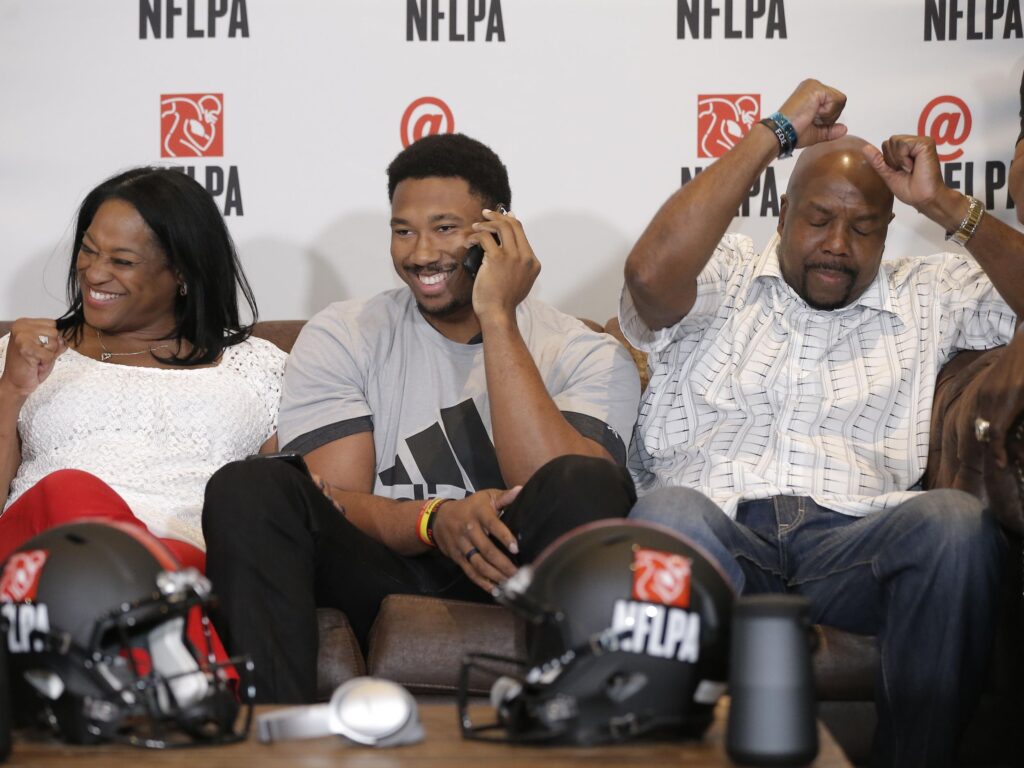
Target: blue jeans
922,576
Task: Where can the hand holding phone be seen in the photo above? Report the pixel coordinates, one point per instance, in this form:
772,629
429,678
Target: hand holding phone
474,257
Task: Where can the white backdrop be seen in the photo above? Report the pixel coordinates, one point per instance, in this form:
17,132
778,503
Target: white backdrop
592,104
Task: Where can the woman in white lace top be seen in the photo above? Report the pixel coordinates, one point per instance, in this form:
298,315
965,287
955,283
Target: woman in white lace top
124,406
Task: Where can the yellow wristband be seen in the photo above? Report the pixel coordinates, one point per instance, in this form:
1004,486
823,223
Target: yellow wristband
424,524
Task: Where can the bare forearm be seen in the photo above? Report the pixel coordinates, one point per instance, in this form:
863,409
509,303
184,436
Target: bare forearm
10,444
1017,181
998,248
662,268
528,428
392,523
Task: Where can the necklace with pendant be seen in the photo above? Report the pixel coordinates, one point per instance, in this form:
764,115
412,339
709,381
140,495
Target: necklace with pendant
106,354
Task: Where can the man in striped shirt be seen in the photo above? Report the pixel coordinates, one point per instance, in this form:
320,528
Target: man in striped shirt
787,415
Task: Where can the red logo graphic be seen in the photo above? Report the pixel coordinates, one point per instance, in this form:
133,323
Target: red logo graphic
661,577
427,116
21,576
723,119
947,120
192,125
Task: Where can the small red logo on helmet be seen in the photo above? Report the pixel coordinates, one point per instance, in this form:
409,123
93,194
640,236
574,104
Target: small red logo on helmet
661,577
21,576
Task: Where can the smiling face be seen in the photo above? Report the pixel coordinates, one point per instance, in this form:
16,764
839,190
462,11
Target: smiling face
126,282
430,221
833,224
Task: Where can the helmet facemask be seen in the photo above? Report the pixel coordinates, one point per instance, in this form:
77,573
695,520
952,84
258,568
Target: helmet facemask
144,673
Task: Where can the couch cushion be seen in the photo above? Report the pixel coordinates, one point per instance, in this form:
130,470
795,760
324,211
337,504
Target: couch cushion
280,332
339,658
420,641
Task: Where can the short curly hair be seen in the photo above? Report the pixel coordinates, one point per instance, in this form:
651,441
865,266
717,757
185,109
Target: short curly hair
453,155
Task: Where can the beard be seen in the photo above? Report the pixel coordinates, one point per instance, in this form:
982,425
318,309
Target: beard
453,307
842,301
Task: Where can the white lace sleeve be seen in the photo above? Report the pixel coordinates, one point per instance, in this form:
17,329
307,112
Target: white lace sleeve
262,364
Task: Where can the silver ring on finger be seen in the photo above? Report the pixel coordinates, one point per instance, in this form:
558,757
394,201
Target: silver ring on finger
982,429
43,339
468,554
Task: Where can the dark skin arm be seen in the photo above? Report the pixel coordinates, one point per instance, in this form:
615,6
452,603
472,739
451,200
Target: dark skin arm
345,470
529,430
663,266
909,165
1001,397
26,366
1017,180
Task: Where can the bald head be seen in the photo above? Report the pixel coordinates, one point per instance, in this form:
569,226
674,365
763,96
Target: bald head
833,223
843,157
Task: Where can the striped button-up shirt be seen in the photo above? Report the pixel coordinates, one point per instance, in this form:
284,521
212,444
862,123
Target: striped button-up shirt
755,394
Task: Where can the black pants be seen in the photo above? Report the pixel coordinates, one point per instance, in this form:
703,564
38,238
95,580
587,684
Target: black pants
277,549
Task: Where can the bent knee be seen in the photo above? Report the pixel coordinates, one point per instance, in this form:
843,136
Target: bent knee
245,491
951,518
679,508
598,477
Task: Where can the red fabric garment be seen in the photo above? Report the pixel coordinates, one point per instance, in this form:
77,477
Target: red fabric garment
70,495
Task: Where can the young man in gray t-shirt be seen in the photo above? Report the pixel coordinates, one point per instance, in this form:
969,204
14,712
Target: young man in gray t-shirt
455,427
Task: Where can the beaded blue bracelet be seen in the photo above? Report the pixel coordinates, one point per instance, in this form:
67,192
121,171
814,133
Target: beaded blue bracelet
784,132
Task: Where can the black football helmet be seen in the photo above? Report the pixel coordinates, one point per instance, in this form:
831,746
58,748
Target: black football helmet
109,641
627,635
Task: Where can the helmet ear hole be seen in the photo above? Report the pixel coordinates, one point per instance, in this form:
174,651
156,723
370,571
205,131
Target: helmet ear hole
627,634
622,686
112,661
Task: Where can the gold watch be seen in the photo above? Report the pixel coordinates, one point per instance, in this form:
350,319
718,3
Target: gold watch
969,225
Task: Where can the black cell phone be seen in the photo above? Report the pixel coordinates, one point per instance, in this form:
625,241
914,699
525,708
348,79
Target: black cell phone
288,457
475,253
474,258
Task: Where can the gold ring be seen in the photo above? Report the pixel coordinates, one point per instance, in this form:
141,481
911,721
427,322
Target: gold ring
43,339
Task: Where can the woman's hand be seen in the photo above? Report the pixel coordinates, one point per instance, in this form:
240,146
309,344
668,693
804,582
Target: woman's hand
33,348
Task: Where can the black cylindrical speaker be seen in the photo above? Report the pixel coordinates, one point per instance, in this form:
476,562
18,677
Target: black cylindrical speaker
5,696
772,712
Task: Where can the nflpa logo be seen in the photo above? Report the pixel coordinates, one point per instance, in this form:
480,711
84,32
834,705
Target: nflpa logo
21,576
192,125
724,119
661,577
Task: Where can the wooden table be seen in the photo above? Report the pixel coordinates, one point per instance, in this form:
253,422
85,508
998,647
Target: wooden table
443,746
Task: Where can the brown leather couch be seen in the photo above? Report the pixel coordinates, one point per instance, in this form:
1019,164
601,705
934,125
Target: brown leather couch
420,641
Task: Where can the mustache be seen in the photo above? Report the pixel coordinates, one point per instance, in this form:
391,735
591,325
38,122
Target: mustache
834,266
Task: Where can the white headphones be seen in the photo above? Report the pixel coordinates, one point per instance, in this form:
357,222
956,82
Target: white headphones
364,710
